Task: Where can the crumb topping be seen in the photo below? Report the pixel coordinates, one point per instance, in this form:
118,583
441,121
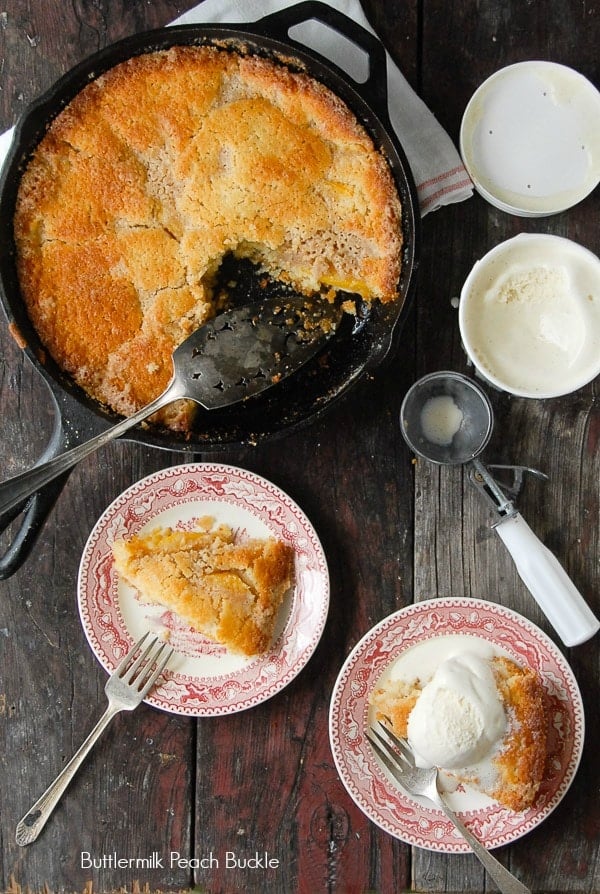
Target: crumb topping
161,167
229,590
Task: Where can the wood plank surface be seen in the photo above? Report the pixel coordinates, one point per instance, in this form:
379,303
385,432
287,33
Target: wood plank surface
394,531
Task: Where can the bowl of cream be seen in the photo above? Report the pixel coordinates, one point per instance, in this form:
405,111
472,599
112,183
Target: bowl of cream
529,316
530,140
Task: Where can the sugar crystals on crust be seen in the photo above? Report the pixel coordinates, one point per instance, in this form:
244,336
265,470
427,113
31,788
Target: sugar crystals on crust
162,166
229,590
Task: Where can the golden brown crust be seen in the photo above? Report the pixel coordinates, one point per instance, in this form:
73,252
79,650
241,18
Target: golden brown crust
229,591
521,758
394,702
160,167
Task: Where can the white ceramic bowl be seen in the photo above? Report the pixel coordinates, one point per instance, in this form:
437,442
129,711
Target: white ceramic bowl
529,316
530,139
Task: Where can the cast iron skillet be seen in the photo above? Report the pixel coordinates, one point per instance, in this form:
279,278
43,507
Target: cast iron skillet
356,348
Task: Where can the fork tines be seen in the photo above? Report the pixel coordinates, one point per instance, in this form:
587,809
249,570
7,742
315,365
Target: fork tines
147,667
393,751
398,742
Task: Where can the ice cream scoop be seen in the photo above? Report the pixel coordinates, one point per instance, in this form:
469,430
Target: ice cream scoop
447,419
459,716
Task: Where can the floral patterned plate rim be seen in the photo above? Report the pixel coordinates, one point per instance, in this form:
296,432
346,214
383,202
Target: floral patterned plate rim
203,679
414,820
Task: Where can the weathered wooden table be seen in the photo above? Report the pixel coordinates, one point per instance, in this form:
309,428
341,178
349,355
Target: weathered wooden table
394,532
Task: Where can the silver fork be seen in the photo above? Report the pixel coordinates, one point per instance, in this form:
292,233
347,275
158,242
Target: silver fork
396,754
127,686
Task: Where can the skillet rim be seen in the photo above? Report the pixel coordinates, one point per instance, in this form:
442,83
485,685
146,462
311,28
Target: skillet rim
382,322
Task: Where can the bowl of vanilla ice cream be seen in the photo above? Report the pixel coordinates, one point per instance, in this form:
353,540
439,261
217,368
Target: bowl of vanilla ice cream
529,316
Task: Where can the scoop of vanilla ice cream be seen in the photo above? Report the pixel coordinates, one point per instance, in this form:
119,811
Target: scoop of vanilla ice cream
459,716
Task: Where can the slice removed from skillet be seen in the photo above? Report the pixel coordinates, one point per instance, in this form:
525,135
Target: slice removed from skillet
233,357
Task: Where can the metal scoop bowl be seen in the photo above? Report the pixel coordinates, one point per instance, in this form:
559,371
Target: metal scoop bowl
238,354
457,437
446,418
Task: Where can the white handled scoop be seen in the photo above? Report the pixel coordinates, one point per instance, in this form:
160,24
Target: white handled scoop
447,419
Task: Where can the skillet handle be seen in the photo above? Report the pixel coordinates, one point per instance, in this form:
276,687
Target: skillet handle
36,510
37,507
277,25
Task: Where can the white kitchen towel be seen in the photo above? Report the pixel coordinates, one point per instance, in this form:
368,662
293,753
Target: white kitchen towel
438,171
439,174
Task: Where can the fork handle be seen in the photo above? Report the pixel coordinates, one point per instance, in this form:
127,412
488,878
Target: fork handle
36,818
505,880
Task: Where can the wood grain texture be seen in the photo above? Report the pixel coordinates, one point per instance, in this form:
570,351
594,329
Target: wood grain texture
394,530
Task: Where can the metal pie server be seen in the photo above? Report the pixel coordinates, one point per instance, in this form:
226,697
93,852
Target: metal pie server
457,437
238,354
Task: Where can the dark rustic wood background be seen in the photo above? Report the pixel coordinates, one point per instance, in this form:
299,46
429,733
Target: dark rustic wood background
393,532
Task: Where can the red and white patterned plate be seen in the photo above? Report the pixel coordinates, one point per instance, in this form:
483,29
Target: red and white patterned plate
203,679
415,820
